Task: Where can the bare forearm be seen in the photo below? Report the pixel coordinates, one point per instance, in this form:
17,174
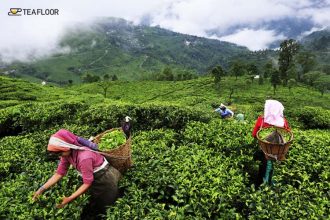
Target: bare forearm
82,189
51,181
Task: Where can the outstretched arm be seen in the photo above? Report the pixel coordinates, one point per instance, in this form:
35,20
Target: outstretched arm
50,182
74,195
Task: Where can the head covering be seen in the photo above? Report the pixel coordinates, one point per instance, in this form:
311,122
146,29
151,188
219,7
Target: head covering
127,119
222,106
56,144
273,114
240,117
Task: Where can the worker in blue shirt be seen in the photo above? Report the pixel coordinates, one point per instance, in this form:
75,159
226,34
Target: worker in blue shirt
224,111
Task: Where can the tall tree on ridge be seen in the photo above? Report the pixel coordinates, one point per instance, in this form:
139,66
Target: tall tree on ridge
288,49
275,79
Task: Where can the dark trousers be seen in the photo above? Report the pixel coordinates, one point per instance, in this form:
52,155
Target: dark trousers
260,156
104,192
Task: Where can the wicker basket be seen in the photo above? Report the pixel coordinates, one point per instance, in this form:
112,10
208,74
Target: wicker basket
120,157
275,151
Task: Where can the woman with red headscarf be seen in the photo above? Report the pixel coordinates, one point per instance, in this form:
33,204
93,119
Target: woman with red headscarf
98,176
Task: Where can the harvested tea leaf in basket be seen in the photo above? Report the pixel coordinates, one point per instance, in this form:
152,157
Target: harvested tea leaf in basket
112,140
271,135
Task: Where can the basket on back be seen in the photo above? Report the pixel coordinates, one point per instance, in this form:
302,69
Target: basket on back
275,145
120,157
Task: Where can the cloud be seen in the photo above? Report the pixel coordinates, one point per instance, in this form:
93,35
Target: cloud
26,36
253,39
321,16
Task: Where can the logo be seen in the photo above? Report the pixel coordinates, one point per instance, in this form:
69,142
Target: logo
29,11
15,12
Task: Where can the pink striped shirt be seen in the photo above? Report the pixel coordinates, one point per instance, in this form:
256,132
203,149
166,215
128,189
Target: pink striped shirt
83,161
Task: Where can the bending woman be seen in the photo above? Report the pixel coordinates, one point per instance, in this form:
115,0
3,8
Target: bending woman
99,178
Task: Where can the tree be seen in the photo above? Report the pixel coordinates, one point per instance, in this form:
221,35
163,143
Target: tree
105,84
187,75
261,79
325,68
291,83
234,87
252,69
292,72
268,69
322,84
114,78
106,77
275,79
89,78
307,61
217,72
310,77
167,74
237,68
288,49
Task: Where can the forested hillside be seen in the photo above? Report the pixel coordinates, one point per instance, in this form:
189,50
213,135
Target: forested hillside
117,47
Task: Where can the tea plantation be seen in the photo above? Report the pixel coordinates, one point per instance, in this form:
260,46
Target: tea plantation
188,163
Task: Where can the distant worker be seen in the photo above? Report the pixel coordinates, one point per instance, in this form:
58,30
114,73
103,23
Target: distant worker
273,116
224,111
98,176
240,117
127,126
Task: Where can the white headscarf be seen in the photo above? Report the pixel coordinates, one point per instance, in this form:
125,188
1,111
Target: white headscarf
56,144
274,113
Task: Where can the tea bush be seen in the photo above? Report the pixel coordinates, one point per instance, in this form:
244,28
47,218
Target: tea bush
313,117
24,172
104,116
186,164
36,116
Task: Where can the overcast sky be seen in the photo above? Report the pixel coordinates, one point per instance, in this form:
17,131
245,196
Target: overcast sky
39,35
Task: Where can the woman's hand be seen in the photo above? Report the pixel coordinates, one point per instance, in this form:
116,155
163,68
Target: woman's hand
65,201
38,193
77,193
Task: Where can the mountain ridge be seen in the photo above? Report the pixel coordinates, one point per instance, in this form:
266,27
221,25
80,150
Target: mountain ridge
115,46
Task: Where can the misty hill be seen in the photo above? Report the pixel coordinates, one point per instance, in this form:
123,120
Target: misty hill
138,52
116,46
318,40
318,43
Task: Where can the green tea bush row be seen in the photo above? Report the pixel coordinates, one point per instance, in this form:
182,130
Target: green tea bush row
208,174
104,116
312,117
36,116
26,170
204,171
180,182
302,189
39,116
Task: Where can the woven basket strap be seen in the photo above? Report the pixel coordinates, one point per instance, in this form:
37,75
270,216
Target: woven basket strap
108,155
75,147
114,157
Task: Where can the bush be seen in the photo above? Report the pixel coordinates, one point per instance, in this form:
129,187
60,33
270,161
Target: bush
105,116
312,117
36,116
